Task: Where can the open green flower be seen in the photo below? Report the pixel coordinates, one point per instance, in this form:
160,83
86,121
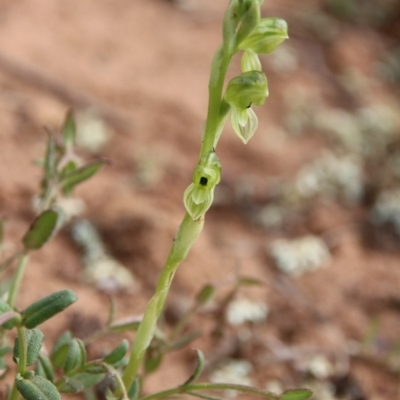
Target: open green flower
249,88
244,123
199,196
266,36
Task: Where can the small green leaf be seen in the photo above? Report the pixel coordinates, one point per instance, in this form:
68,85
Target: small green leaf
41,230
80,382
152,360
126,325
68,168
58,347
69,130
134,390
44,309
76,356
205,396
70,180
37,388
205,295
199,367
110,395
50,161
5,350
8,317
248,281
298,394
44,367
185,340
113,309
34,339
117,354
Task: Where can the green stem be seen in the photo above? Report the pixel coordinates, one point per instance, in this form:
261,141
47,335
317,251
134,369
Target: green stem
14,395
16,282
187,234
22,350
219,68
209,386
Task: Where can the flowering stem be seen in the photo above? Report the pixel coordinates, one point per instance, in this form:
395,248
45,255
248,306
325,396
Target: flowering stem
189,229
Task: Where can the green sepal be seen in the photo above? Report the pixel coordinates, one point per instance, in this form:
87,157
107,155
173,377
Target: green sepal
34,339
44,309
297,394
75,357
69,180
244,123
248,21
69,131
36,388
266,36
42,229
199,367
80,382
250,61
247,89
44,367
117,354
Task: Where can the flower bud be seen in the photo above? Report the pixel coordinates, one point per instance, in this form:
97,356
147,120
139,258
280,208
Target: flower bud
244,123
266,36
250,61
197,200
247,89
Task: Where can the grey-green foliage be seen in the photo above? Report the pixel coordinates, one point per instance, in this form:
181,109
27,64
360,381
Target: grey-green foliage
33,339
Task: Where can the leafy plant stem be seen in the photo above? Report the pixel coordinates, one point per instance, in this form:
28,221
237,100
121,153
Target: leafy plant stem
16,282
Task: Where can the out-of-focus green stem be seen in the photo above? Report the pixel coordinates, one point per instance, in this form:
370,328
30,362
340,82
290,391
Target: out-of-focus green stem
16,282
